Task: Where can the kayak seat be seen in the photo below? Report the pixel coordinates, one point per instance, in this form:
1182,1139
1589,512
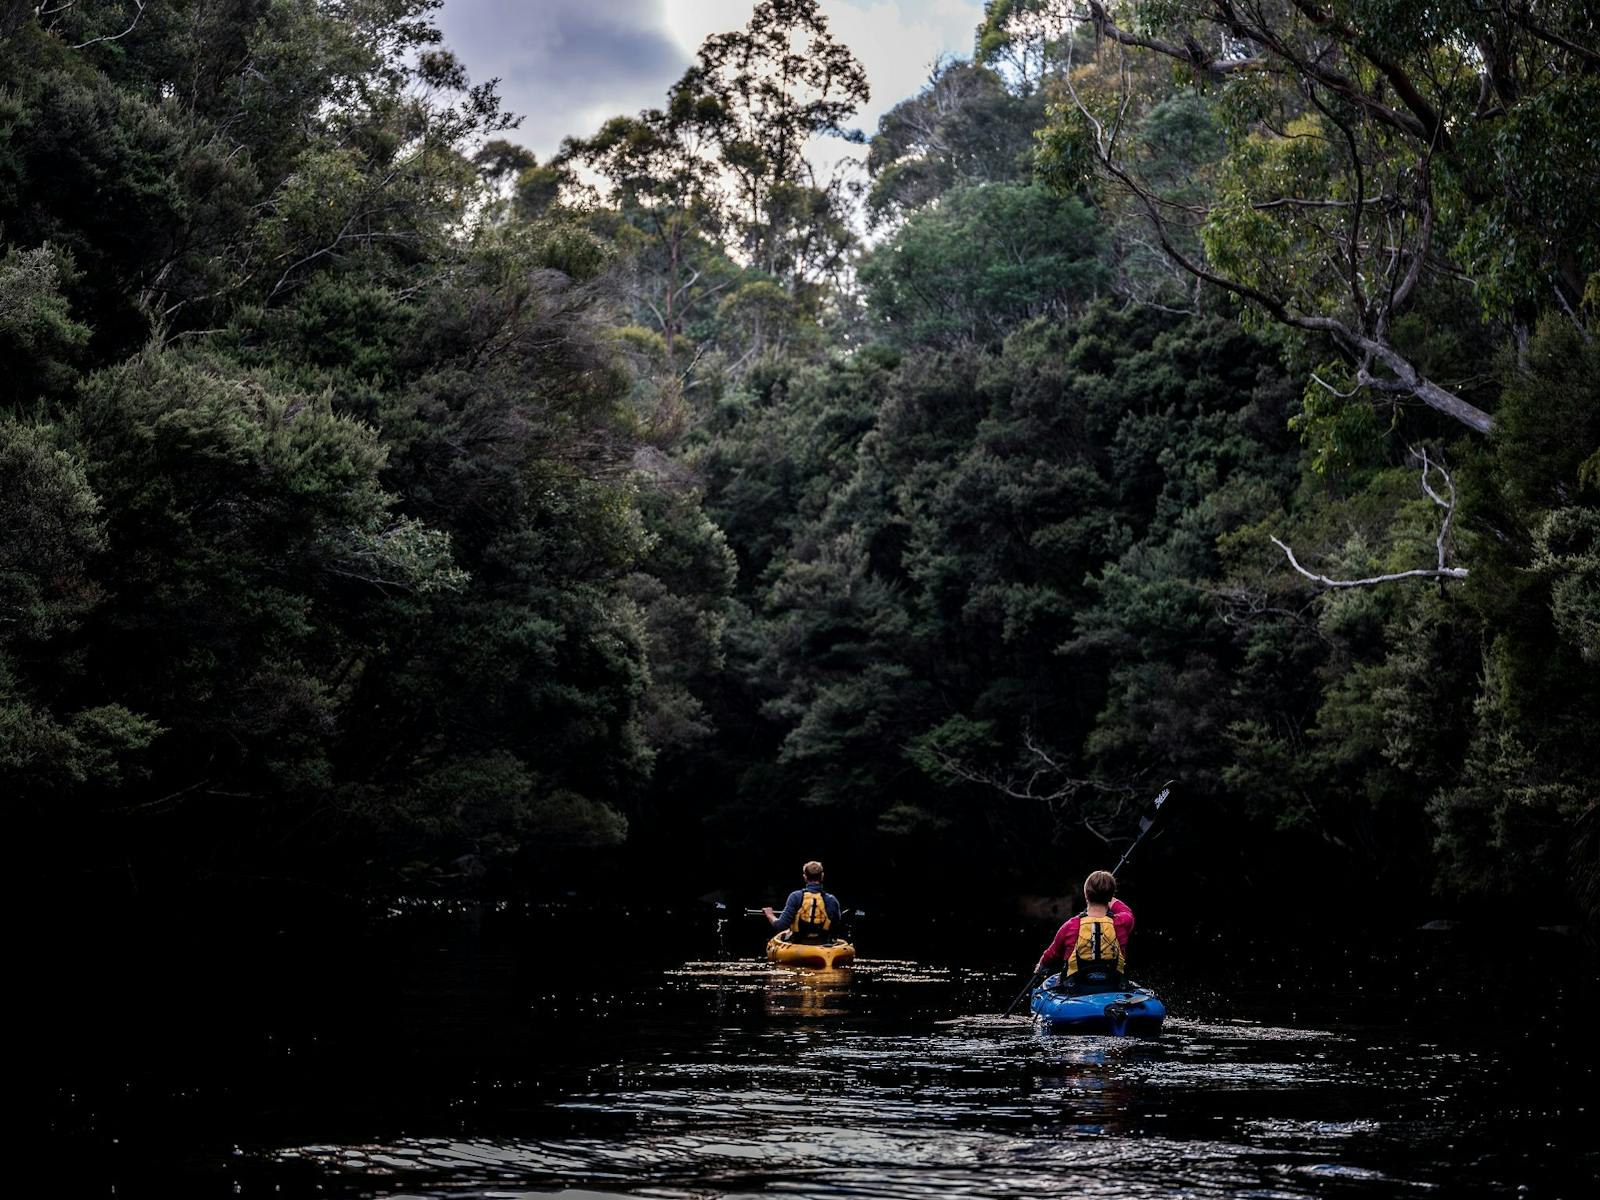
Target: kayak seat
1091,982
793,940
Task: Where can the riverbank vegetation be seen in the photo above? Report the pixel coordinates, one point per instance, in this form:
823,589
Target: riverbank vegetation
386,509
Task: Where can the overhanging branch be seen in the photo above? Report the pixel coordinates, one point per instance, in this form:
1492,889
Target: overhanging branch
1366,339
115,37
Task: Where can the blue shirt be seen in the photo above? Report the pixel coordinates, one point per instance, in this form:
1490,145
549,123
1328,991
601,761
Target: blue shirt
792,908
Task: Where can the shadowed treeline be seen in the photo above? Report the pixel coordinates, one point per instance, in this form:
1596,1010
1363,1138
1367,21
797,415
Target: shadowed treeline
383,511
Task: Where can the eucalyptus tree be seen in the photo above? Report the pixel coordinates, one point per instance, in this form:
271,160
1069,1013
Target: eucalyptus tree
776,84
1375,151
663,178
719,200
965,126
1021,39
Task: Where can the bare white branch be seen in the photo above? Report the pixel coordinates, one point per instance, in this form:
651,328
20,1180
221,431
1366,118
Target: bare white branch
1044,780
1328,387
117,37
1439,572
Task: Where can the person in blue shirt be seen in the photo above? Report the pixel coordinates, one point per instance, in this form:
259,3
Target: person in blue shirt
811,915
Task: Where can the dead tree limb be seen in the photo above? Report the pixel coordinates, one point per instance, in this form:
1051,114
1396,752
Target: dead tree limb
115,37
1438,572
1044,780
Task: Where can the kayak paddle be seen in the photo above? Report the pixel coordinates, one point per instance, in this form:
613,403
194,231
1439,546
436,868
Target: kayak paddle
1027,989
1145,825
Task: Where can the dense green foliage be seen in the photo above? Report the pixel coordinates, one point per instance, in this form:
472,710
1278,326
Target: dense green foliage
983,260
320,538
385,508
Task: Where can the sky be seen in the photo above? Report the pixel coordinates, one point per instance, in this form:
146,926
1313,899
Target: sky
567,65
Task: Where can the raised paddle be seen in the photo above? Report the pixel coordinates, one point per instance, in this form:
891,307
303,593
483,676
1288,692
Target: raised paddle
1145,825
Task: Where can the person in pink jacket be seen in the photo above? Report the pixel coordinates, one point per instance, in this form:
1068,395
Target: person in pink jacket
1099,892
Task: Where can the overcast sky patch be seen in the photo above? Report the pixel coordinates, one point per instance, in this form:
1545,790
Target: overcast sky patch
567,65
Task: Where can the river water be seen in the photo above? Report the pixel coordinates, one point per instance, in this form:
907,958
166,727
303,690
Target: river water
464,1057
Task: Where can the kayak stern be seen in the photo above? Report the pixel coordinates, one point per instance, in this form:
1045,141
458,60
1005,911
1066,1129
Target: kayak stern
825,956
1136,1012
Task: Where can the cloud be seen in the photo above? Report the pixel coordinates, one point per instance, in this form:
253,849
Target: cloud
567,65
897,41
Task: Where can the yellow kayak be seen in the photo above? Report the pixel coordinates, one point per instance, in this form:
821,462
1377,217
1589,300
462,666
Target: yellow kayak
827,955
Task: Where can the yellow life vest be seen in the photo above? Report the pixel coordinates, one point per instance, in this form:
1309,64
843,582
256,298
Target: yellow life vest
1097,948
811,921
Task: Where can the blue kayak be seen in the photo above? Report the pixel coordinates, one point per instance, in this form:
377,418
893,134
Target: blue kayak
1137,1012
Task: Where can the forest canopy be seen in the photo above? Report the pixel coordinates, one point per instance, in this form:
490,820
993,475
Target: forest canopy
1184,392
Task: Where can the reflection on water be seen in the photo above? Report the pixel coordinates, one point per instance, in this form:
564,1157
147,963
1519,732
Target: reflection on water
786,991
969,1109
476,1072
800,991
859,1083
808,994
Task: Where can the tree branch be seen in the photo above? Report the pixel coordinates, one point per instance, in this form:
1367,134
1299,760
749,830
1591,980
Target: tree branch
1189,53
1047,782
1375,348
116,37
1439,572
1523,17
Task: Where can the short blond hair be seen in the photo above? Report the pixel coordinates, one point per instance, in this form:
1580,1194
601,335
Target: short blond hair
812,871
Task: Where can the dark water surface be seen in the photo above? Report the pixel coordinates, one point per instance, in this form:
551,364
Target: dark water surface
506,1057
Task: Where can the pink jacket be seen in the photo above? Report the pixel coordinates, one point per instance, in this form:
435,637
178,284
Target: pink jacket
1067,936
